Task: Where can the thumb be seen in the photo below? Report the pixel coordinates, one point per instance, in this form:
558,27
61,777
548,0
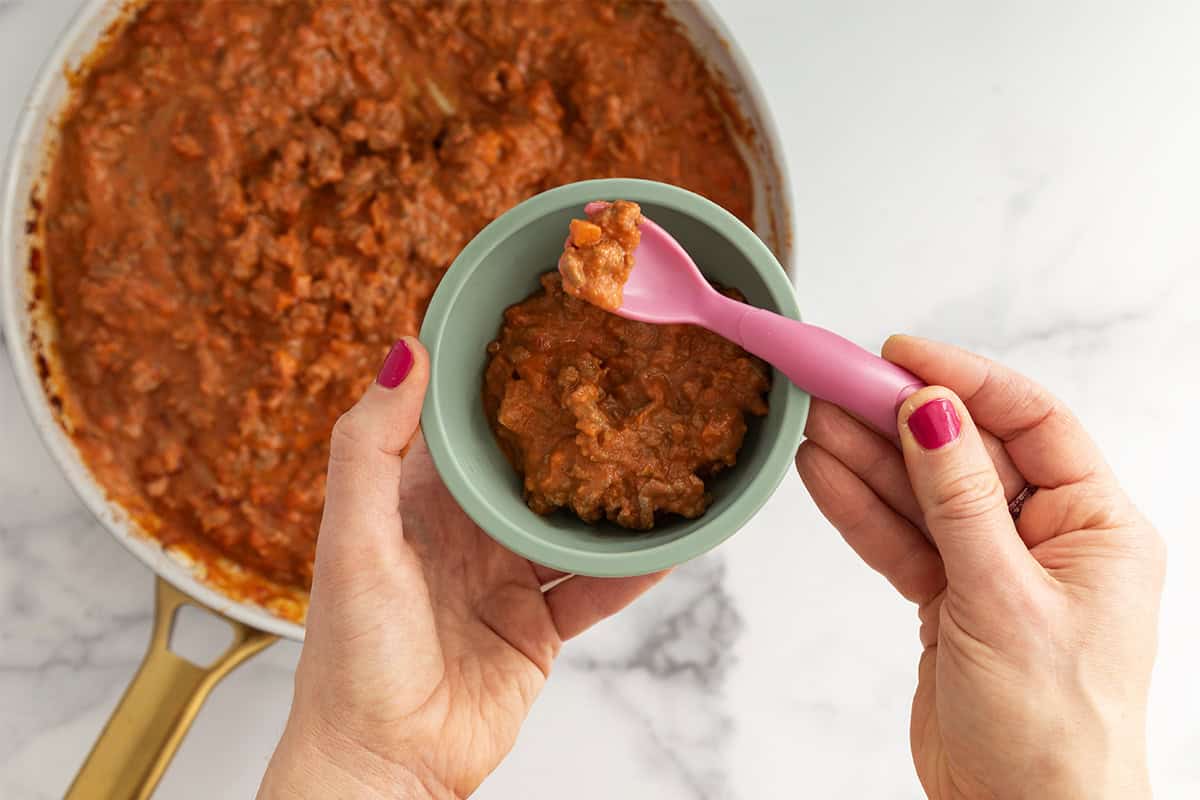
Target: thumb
362,490
368,593
960,493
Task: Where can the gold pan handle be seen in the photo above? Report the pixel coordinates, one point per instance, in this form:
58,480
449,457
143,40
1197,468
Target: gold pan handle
157,709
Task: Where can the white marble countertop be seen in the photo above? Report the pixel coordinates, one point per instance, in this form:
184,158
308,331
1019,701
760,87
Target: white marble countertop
1022,178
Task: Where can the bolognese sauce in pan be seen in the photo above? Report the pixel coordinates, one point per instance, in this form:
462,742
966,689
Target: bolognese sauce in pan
250,201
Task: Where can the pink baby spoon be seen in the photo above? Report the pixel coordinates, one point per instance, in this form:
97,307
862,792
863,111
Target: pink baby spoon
665,286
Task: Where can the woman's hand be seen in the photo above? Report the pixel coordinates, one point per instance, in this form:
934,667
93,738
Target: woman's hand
1039,634
426,641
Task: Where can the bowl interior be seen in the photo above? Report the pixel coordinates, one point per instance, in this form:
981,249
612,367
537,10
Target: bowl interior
501,267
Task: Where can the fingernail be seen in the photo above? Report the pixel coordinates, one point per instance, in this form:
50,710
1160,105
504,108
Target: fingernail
396,366
935,424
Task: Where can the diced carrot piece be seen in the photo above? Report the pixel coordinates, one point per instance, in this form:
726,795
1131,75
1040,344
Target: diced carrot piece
584,233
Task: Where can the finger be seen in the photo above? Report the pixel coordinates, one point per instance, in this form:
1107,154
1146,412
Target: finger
1047,444
362,559
866,454
1010,477
930,617
888,543
581,602
959,492
880,465
362,491
1076,507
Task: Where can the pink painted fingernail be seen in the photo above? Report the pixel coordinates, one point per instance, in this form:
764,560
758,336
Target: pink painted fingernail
396,366
935,424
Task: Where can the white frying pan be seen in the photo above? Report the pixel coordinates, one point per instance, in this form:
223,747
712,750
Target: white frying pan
163,698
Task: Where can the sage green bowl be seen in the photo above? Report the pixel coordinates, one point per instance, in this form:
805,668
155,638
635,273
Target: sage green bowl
501,266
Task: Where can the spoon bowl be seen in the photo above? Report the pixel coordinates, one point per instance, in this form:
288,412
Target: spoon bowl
665,286
657,295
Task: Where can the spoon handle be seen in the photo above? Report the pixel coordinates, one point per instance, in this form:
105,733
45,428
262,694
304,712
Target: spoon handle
829,366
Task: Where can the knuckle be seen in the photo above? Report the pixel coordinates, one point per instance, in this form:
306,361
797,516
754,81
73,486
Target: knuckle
1143,542
349,436
853,519
967,496
879,466
1024,399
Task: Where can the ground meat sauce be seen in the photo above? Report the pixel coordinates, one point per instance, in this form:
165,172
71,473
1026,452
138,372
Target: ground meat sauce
252,200
598,255
615,419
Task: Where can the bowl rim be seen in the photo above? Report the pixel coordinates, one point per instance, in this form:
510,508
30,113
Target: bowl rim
510,533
